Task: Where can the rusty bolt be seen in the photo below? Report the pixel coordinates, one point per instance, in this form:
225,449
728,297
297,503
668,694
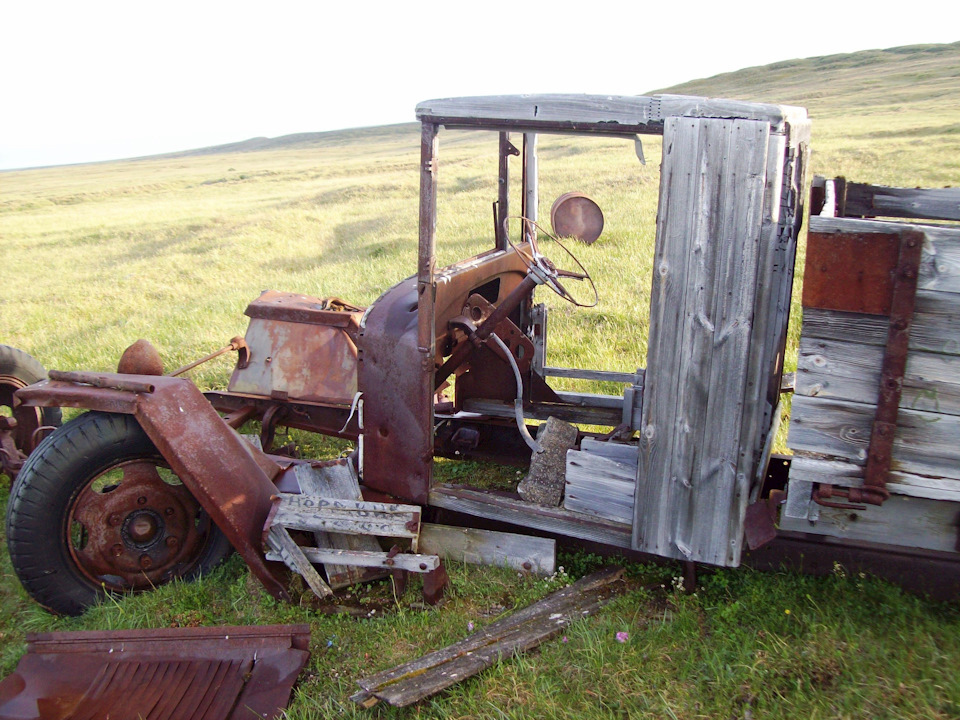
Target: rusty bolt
423,566
146,562
117,550
389,562
172,542
142,500
527,565
115,519
168,511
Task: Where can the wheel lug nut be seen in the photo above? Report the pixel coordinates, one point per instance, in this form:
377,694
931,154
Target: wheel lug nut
115,519
172,542
146,562
117,550
142,500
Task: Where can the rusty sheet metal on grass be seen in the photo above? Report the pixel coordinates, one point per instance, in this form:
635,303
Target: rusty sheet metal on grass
224,673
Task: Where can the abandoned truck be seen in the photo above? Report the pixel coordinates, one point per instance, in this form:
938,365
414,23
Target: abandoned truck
156,483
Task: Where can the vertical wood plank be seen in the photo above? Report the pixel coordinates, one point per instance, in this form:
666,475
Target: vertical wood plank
691,490
715,522
675,229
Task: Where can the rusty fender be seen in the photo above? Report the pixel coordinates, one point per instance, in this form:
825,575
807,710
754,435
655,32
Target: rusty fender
230,478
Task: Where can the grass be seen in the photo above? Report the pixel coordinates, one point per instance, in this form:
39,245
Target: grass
173,248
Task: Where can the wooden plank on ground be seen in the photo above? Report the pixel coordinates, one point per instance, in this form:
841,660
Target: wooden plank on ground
925,443
843,370
514,634
490,547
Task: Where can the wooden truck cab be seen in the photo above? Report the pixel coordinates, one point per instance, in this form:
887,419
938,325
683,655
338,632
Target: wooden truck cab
705,408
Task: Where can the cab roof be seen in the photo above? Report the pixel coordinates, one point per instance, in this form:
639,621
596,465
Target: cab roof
599,114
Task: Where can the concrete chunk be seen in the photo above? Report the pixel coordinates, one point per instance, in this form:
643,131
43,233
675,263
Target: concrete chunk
543,485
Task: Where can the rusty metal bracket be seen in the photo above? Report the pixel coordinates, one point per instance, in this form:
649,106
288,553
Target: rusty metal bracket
894,366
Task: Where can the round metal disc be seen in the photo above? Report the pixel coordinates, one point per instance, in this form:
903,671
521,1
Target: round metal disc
575,215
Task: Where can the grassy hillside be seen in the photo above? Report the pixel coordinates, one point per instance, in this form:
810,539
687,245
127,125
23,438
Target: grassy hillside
893,114
172,248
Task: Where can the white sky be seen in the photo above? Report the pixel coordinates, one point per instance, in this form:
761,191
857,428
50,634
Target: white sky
84,81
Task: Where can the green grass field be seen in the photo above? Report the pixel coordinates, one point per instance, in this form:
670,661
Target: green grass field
173,248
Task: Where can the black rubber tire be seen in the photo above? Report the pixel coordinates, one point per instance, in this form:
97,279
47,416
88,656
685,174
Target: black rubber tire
17,364
43,494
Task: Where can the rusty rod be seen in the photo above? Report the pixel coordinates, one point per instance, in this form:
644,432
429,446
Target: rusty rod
235,344
108,382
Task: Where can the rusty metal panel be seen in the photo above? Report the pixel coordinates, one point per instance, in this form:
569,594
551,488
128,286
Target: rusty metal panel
397,440
223,673
291,307
299,361
852,272
230,478
49,393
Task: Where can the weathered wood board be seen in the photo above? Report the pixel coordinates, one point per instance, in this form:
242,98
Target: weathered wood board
903,521
490,547
339,482
523,515
621,452
804,468
840,370
934,329
285,549
601,485
411,562
693,483
925,443
348,517
879,201
413,681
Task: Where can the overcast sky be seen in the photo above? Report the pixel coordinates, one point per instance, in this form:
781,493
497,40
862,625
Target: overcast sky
84,81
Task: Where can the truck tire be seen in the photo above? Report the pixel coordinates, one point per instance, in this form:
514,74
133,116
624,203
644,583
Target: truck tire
96,511
17,370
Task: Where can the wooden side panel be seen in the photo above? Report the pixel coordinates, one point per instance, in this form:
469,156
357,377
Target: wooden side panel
903,521
813,469
940,265
839,370
925,443
691,490
935,327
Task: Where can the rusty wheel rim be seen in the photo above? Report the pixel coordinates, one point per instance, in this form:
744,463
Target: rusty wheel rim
28,419
135,526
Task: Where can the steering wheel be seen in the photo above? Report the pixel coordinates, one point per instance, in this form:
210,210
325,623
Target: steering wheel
542,268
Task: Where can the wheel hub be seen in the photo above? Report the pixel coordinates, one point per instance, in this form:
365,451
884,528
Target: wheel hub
143,528
137,532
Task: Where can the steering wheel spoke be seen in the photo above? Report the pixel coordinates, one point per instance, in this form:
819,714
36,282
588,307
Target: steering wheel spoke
544,269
